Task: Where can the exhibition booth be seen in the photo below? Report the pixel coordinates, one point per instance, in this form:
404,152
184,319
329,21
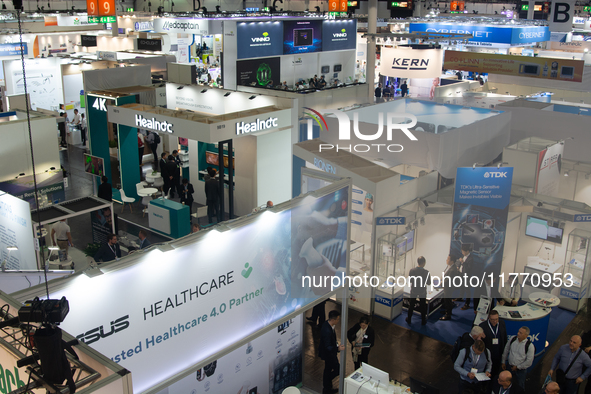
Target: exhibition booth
446,136
376,190
206,287
93,372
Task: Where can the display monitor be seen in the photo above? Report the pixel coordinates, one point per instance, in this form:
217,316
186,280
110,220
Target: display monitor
338,68
375,375
94,165
540,228
302,37
212,158
421,388
325,69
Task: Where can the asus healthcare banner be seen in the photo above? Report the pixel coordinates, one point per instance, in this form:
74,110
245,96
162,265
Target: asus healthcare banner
206,297
481,207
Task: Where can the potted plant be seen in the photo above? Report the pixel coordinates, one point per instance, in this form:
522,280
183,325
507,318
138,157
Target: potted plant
91,249
113,148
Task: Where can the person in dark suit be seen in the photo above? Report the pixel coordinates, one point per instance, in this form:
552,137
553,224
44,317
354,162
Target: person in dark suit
109,251
404,89
173,174
586,345
495,339
449,274
105,191
361,333
328,351
187,194
418,288
144,241
318,314
212,195
504,385
467,262
163,174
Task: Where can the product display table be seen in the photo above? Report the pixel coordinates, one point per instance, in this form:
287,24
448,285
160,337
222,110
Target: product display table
536,318
361,385
544,299
434,300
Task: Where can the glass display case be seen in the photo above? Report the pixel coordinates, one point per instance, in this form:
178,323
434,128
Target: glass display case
391,264
575,265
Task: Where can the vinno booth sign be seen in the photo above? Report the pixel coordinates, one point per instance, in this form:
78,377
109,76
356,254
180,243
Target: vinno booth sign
167,318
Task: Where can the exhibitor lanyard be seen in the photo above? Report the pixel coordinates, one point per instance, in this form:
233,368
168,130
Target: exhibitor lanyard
113,250
491,330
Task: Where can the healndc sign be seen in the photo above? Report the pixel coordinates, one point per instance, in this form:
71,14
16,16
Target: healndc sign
513,35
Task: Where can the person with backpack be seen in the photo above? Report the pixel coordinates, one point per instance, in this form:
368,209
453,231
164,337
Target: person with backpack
466,340
518,356
572,366
470,361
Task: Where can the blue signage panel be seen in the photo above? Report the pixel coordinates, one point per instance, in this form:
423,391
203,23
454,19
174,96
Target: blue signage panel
339,35
383,300
492,34
13,49
302,37
259,39
538,330
481,206
582,218
391,221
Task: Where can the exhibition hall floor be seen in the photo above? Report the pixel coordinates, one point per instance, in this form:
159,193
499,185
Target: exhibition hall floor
404,353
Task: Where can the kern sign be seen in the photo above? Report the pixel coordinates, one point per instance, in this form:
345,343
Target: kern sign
411,63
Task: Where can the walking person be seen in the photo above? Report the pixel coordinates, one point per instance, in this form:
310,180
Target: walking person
419,280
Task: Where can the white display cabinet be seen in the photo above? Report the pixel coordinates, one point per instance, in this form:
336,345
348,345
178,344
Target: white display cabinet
576,266
391,263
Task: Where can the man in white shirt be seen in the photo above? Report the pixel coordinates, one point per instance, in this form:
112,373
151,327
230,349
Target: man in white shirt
510,292
76,120
518,356
62,231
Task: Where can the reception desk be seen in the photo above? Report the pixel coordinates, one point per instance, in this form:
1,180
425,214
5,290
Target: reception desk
361,385
536,318
169,218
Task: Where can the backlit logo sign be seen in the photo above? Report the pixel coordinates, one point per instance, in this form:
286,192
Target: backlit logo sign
177,25
97,333
532,34
478,34
345,130
410,64
257,125
153,124
139,26
265,38
100,104
342,34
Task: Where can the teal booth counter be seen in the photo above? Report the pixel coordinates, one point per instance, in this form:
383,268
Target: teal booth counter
169,217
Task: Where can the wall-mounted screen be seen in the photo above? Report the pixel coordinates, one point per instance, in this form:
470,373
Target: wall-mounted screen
542,229
302,37
94,165
258,39
325,69
338,35
259,72
338,68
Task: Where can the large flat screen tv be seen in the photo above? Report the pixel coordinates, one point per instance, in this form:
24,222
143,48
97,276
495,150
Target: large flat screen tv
543,229
94,165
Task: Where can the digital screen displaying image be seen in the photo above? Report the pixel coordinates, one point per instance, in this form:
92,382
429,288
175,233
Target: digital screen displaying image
259,72
302,37
540,228
212,158
259,39
94,165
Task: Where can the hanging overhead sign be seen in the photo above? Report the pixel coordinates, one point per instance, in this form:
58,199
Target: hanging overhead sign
181,25
88,41
523,66
561,15
145,44
79,20
411,63
514,35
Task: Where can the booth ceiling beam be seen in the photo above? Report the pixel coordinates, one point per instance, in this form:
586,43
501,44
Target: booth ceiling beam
425,36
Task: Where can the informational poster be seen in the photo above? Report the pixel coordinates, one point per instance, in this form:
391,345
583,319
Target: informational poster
50,186
259,39
411,63
268,364
259,72
481,206
549,165
102,225
145,322
16,229
302,37
533,67
43,82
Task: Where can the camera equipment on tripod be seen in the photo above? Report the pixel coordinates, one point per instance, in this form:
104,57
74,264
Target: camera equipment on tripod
44,311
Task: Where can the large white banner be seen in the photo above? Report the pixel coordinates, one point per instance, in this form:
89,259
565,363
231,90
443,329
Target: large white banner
172,310
561,15
549,164
268,364
16,229
411,63
79,20
181,25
